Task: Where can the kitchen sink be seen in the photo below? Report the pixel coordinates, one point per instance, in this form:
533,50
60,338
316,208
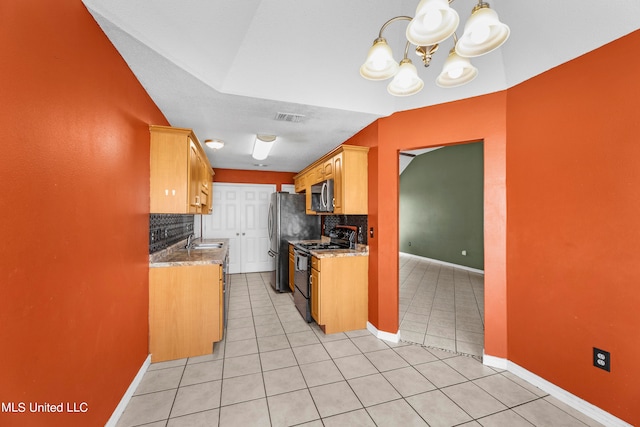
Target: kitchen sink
216,245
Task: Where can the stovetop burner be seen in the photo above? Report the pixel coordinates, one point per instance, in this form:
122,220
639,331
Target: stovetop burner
342,237
321,246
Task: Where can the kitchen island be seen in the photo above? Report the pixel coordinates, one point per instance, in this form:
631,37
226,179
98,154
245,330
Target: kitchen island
186,299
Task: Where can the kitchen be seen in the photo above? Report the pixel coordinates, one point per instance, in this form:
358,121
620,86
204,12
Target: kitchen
86,305
187,313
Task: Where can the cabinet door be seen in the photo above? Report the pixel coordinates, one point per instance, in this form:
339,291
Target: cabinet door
292,271
209,178
338,188
299,184
221,303
308,202
315,296
184,304
195,168
328,169
168,170
319,174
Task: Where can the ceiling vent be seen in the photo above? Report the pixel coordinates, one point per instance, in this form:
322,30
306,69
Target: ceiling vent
289,117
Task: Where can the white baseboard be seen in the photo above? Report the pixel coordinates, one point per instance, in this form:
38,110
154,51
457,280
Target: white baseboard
387,336
437,261
562,395
117,413
495,362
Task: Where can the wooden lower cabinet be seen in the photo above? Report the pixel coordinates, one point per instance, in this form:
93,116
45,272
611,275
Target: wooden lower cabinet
292,269
339,293
315,296
185,311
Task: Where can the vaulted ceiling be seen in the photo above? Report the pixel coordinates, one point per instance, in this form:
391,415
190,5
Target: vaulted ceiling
227,68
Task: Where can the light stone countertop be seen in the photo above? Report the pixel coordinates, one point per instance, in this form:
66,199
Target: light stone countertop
177,255
360,250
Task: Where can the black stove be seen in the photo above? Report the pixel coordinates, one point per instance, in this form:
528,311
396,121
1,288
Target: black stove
342,237
320,246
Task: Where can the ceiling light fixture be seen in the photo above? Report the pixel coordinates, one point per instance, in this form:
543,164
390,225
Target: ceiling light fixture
262,146
434,22
216,144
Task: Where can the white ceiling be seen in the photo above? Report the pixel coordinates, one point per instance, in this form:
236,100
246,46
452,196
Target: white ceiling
225,68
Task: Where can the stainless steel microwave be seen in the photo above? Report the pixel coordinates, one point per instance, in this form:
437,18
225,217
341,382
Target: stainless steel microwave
322,196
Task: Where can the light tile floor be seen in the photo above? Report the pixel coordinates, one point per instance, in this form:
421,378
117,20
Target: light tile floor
441,306
274,369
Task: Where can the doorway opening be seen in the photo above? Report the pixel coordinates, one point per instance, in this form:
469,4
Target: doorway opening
441,244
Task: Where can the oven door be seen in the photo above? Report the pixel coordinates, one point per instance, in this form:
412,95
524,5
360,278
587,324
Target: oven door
301,282
301,273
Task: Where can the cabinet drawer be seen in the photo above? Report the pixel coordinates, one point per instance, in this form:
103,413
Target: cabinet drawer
315,263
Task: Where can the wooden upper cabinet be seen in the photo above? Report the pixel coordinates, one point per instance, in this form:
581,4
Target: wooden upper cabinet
348,166
328,169
338,184
300,183
180,178
195,170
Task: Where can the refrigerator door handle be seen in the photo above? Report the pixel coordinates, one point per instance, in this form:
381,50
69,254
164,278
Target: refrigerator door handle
270,223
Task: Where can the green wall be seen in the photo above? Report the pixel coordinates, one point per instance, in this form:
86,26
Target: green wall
441,205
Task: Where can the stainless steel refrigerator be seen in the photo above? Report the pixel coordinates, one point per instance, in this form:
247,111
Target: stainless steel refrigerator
288,221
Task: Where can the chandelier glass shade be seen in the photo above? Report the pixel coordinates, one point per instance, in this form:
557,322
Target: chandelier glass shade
406,81
483,33
434,22
380,64
456,71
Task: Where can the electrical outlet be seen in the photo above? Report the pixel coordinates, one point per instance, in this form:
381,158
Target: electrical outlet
464,253
601,359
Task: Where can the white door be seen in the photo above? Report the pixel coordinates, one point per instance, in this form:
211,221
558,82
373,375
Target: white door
240,214
288,188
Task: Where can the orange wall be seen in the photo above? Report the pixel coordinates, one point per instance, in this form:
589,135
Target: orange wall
238,176
481,118
569,173
75,214
573,225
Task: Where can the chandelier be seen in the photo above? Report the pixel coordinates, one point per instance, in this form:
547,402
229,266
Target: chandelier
434,22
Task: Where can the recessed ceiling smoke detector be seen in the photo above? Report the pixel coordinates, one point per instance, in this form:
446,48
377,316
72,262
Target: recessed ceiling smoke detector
289,117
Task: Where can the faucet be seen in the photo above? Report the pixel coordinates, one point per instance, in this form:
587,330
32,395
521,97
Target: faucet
189,241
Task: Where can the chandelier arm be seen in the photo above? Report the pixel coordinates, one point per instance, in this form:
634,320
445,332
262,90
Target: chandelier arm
406,49
392,20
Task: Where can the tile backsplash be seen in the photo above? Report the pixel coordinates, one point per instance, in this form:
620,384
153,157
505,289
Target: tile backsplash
167,229
360,221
